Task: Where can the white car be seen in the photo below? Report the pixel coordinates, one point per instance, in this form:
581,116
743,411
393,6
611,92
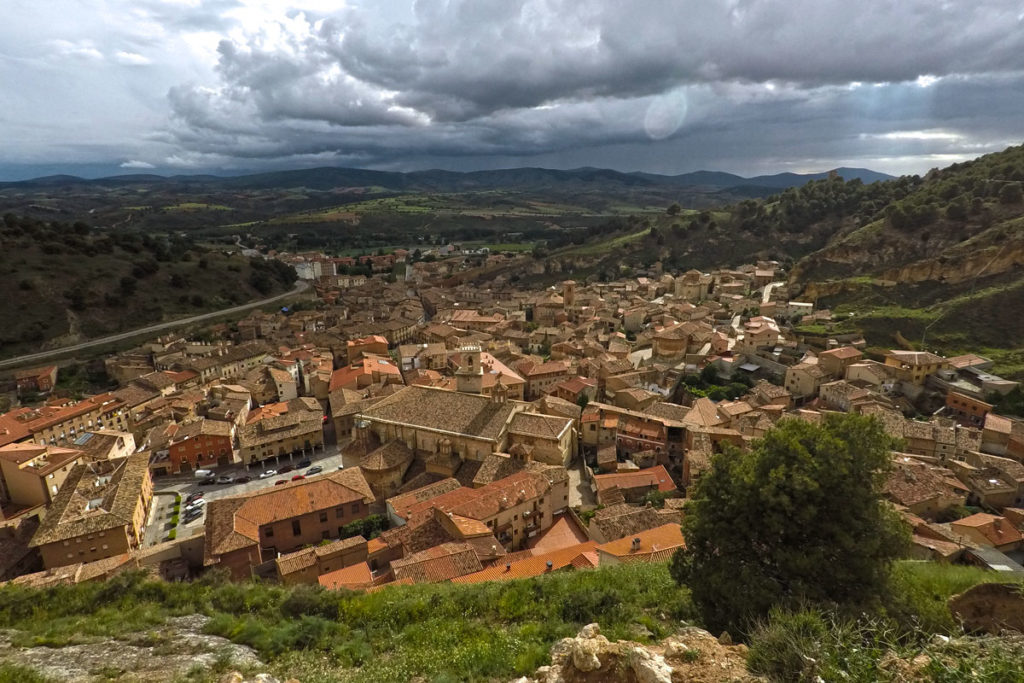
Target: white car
268,474
195,504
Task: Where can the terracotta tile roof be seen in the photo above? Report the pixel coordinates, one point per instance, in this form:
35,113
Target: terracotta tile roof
440,563
655,544
912,481
375,545
563,532
95,497
307,557
654,477
842,353
622,519
553,367
404,503
997,530
55,456
356,577
540,426
704,413
945,549
527,567
233,522
915,358
998,424
668,411
485,502
391,455
444,411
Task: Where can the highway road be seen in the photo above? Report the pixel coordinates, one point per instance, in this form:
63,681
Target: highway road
300,286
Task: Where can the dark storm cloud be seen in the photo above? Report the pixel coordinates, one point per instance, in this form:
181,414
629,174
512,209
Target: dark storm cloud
497,78
743,85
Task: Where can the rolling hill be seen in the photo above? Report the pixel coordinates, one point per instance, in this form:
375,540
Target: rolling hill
69,282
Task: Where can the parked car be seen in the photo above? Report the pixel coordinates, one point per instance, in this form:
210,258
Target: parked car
244,479
268,474
193,496
303,464
225,479
341,467
194,513
202,474
195,505
286,469
280,481
297,477
208,481
314,470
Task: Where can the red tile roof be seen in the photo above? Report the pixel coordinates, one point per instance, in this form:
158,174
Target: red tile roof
537,565
655,544
656,476
440,563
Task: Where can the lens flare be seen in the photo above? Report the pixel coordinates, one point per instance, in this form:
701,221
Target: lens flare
665,115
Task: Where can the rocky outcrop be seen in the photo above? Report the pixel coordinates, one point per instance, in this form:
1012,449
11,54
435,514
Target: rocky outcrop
990,608
691,655
165,653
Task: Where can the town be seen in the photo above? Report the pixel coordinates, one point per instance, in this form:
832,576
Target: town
425,428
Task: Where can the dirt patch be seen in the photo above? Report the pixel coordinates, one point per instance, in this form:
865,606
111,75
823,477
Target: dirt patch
990,608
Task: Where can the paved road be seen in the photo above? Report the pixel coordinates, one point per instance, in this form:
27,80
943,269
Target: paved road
300,286
768,291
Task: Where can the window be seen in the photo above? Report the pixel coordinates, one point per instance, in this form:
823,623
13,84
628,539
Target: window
323,516
105,546
296,528
325,535
355,507
269,532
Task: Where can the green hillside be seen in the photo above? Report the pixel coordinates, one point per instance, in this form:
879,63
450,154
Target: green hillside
941,267
479,632
71,282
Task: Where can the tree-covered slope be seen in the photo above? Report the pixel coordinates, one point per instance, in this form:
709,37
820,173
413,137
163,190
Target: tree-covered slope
71,282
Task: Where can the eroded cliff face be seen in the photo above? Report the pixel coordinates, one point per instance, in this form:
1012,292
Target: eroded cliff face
826,272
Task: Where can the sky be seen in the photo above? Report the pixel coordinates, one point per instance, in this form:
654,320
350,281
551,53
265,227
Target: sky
103,87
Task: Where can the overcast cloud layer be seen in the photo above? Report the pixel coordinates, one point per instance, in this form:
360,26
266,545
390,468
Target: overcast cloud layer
750,86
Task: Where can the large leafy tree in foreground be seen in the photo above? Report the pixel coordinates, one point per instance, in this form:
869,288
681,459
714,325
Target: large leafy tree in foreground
798,518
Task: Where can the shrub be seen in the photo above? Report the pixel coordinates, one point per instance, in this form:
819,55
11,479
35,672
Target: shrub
15,673
763,527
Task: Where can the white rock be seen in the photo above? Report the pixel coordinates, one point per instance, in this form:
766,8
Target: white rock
649,667
584,654
675,649
590,631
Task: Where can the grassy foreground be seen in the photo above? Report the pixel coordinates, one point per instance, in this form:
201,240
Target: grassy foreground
449,632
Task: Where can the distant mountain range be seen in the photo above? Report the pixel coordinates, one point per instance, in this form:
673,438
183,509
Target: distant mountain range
522,179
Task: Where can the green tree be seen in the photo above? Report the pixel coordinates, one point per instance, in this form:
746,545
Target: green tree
674,209
797,518
1011,193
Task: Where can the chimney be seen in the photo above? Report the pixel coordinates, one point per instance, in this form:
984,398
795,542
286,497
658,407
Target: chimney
508,566
550,565
635,545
